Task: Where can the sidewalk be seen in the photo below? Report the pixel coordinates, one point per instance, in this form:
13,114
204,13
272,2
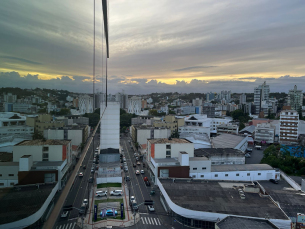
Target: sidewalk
127,222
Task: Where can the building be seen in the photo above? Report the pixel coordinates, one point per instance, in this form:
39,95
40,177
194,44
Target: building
186,110
202,204
261,93
233,222
110,126
289,124
248,130
17,131
208,110
242,99
134,105
147,120
295,98
199,140
9,174
9,98
264,133
85,104
257,121
194,130
171,122
210,96
143,104
141,133
12,119
222,156
197,102
228,128
230,141
77,134
42,122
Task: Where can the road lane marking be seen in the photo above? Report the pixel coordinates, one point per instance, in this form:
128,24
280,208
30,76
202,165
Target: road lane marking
148,220
159,221
156,221
145,220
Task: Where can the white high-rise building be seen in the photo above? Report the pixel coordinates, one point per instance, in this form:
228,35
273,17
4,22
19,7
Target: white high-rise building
289,125
85,104
261,93
242,99
134,105
295,98
110,126
197,102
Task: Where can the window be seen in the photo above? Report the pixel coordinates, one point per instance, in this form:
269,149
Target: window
45,157
45,148
216,175
203,168
194,168
1,184
12,184
259,174
237,174
222,163
201,175
0,175
226,175
168,154
10,175
194,176
213,163
248,174
168,146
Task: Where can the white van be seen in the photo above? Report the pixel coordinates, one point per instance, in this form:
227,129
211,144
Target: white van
258,147
116,193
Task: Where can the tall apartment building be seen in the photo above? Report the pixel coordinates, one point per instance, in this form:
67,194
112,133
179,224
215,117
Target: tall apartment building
208,110
170,122
134,105
242,99
210,96
289,124
264,132
85,104
197,102
261,93
9,98
295,98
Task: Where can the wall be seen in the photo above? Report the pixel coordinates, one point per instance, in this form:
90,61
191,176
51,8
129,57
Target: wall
34,177
5,170
230,160
160,149
199,165
108,158
101,180
76,136
176,171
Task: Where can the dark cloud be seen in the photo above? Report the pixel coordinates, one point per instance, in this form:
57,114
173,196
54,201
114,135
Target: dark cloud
20,60
192,68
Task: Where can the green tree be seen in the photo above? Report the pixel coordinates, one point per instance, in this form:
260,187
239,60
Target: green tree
241,126
171,112
37,135
175,134
153,112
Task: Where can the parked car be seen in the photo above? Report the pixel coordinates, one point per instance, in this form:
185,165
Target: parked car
247,155
274,181
110,212
249,150
142,171
83,209
134,165
145,178
100,193
81,174
147,183
84,166
116,193
127,178
132,198
143,164
85,201
151,208
91,180
137,158
92,170
138,163
137,172
125,168
64,214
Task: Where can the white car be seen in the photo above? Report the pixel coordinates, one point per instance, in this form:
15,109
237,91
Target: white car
85,201
101,193
132,198
142,171
137,172
151,208
116,193
81,174
64,214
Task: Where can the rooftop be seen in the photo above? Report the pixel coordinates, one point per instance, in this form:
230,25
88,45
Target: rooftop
22,201
41,142
168,140
226,141
9,163
245,167
26,156
6,157
232,222
47,163
249,129
165,160
198,159
109,151
220,197
208,152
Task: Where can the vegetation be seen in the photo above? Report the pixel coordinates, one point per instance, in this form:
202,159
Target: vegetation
63,111
37,135
94,117
106,185
125,120
175,134
171,112
283,160
270,116
96,202
154,112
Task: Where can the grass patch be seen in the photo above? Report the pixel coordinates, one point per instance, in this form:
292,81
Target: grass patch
106,185
96,202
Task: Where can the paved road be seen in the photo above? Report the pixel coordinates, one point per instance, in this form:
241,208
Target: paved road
78,192
256,156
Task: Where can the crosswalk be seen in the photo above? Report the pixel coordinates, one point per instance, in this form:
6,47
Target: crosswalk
66,226
150,220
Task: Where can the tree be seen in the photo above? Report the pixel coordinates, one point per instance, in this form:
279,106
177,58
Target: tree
37,135
153,112
175,134
171,112
241,126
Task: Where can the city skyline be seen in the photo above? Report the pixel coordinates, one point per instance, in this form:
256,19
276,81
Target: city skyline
197,46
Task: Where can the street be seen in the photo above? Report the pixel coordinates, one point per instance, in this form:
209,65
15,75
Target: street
79,191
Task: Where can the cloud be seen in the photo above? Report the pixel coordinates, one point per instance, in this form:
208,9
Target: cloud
20,60
192,68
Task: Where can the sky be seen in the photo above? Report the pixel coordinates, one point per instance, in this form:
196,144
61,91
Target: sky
155,46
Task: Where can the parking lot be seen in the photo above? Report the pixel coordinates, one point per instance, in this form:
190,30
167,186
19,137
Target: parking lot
256,155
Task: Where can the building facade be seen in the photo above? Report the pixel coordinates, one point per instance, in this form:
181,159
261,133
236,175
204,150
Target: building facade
85,104
295,98
289,124
261,93
228,128
264,133
140,134
134,105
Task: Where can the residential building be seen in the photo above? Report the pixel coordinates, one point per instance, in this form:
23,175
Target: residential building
295,98
228,128
147,120
76,133
85,104
134,105
230,141
242,99
210,96
110,126
264,133
150,100
171,122
209,110
261,93
20,107
9,98
140,133
186,110
257,121
42,122
12,119
197,102
289,124
16,131
143,104
222,156
9,174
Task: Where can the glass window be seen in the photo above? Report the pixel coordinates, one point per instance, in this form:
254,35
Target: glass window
237,174
194,168
216,175
227,175
248,174
203,168
259,174
201,175
10,175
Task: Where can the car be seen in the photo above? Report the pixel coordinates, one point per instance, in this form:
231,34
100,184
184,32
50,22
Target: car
125,163
127,178
135,154
143,164
151,208
132,198
85,201
145,178
81,174
84,166
64,214
247,155
96,167
125,168
249,149
100,193
274,181
137,172
138,163
92,170
91,180
110,212
134,165
147,183
142,171
116,193
124,159
137,158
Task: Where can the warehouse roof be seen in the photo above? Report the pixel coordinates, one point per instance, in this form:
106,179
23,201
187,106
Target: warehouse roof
245,167
168,140
227,141
41,142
